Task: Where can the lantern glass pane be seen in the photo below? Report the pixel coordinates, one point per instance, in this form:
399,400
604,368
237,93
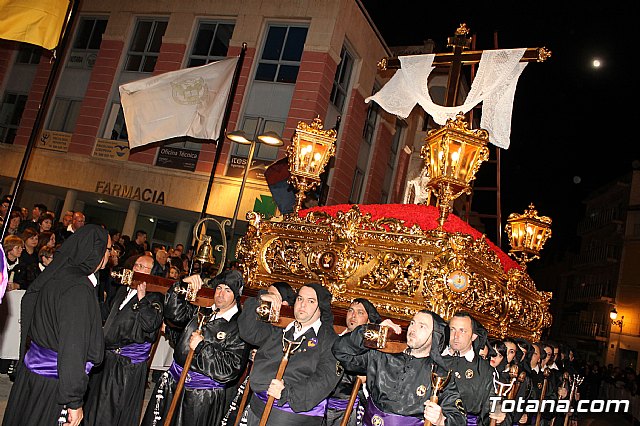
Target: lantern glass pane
317,159
305,154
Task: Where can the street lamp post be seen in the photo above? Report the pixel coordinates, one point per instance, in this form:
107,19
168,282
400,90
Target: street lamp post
241,137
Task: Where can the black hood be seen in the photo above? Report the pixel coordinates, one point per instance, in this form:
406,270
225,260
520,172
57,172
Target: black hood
324,302
231,278
372,312
286,292
483,336
439,339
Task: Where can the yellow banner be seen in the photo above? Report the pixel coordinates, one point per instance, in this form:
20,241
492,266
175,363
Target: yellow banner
37,22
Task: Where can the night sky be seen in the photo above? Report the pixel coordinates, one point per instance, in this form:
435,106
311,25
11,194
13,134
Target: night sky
572,123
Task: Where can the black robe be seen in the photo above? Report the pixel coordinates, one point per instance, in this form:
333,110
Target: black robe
311,374
222,356
66,319
398,383
474,380
116,390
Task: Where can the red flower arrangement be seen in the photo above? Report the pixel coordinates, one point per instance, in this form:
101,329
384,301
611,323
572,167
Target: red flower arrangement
426,217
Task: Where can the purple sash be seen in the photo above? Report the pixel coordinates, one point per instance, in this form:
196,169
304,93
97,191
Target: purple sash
136,352
472,420
340,404
317,411
373,415
44,362
194,379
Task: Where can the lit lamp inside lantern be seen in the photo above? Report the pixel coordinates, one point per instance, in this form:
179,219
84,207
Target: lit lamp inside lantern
527,233
453,154
309,153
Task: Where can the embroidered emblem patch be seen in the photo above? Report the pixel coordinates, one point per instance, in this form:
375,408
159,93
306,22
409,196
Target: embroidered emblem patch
421,391
460,406
339,369
312,342
468,374
221,335
377,421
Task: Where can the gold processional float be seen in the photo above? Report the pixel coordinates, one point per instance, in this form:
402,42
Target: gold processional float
404,257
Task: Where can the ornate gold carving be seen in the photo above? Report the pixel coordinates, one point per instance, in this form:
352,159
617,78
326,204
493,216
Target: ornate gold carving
400,274
398,268
543,54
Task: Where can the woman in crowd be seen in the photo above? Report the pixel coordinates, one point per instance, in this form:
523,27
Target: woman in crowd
46,238
30,252
45,256
174,273
14,222
13,247
45,223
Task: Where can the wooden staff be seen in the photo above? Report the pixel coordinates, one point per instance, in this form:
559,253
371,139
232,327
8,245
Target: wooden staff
243,403
502,389
183,375
289,347
245,396
352,400
577,380
513,373
545,383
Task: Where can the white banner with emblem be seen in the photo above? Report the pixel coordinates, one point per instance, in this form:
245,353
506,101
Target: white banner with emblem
187,102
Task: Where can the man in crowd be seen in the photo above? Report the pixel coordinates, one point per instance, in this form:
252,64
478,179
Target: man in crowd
472,374
219,355
400,384
160,267
312,372
61,317
116,389
136,246
4,207
361,311
39,209
77,222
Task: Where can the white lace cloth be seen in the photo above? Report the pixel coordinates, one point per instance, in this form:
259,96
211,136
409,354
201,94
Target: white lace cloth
494,85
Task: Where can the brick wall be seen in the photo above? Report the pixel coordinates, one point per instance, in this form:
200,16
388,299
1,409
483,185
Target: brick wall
378,168
347,155
35,97
96,97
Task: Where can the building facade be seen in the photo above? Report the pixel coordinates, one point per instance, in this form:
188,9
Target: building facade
605,276
304,59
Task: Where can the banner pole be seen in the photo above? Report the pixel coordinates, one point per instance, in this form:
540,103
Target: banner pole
223,127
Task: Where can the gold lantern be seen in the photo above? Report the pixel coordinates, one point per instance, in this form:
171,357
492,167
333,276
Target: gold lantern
453,154
309,153
527,233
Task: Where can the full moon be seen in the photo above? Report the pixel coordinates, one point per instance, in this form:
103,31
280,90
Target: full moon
596,63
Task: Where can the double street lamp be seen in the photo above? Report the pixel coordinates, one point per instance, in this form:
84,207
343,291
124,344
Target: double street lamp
238,136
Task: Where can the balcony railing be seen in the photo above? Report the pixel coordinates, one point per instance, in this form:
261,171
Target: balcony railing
598,255
588,292
586,329
601,219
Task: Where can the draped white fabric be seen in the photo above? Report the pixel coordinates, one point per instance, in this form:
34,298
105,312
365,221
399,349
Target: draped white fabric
494,85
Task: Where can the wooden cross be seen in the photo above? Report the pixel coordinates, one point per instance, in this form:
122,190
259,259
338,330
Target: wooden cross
459,57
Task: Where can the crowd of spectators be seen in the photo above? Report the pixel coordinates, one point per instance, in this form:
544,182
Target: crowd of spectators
32,237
